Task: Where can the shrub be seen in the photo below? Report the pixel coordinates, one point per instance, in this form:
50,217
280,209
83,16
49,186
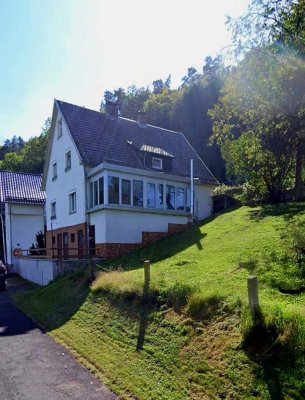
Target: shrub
202,306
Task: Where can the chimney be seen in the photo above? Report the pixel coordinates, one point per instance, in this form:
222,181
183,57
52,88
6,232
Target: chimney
141,118
112,110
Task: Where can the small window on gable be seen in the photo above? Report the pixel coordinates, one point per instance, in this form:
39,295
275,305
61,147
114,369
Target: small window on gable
156,163
68,160
54,171
59,128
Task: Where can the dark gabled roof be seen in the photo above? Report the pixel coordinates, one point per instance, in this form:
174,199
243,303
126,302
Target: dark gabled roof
101,139
19,188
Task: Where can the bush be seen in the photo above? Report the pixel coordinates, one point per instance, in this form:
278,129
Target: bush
274,335
202,306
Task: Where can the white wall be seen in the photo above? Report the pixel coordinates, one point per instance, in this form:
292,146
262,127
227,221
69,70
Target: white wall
41,272
22,223
203,206
118,226
66,182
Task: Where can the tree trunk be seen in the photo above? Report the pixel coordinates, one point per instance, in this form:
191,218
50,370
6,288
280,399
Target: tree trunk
298,172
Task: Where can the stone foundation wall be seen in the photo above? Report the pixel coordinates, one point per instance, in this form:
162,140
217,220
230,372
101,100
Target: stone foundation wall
112,250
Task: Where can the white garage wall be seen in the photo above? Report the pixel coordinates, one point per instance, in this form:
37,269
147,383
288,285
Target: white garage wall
22,223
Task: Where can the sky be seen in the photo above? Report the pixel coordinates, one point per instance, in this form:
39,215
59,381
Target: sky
74,50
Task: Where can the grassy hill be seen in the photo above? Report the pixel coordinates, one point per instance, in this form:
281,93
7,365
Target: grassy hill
193,338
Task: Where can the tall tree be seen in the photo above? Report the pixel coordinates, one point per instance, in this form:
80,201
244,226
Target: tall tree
280,22
264,100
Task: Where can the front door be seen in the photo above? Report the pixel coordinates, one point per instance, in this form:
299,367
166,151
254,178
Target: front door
80,244
59,245
65,244
92,240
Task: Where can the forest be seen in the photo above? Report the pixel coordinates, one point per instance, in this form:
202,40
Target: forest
244,111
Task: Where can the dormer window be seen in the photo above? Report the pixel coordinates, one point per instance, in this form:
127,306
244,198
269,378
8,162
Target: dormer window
156,163
59,128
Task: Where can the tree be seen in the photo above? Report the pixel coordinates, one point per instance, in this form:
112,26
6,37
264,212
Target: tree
262,106
280,22
31,157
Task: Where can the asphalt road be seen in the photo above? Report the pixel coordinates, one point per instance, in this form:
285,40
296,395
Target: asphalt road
34,367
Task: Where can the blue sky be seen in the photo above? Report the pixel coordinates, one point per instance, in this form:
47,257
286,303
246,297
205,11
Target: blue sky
74,50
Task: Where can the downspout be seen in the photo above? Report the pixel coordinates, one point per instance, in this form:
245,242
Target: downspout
11,236
192,188
87,216
3,236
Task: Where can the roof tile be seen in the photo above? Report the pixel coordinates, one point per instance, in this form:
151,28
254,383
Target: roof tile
101,139
21,188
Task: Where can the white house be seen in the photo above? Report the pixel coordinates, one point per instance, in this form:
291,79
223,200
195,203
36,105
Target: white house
115,184
22,211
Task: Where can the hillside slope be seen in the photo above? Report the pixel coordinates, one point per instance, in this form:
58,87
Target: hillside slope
194,338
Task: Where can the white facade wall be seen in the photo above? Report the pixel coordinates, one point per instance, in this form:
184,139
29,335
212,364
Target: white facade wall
22,222
203,201
122,226
67,181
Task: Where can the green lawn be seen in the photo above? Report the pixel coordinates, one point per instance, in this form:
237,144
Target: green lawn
194,338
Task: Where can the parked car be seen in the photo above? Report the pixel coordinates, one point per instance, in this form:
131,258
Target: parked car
3,275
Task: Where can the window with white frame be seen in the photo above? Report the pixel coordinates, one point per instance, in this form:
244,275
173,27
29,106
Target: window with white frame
95,193
72,202
68,160
137,193
54,171
53,209
151,195
59,128
170,197
113,189
126,191
180,198
159,195
101,190
156,163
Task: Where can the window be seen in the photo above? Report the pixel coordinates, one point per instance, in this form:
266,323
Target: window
180,198
151,195
54,171
138,193
95,193
72,202
113,189
72,237
53,240
101,190
159,196
188,199
53,210
68,160
59,128
170,197
156,163
91,195
126,191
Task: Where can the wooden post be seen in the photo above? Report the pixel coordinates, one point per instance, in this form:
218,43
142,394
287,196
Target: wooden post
253,295
146,272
